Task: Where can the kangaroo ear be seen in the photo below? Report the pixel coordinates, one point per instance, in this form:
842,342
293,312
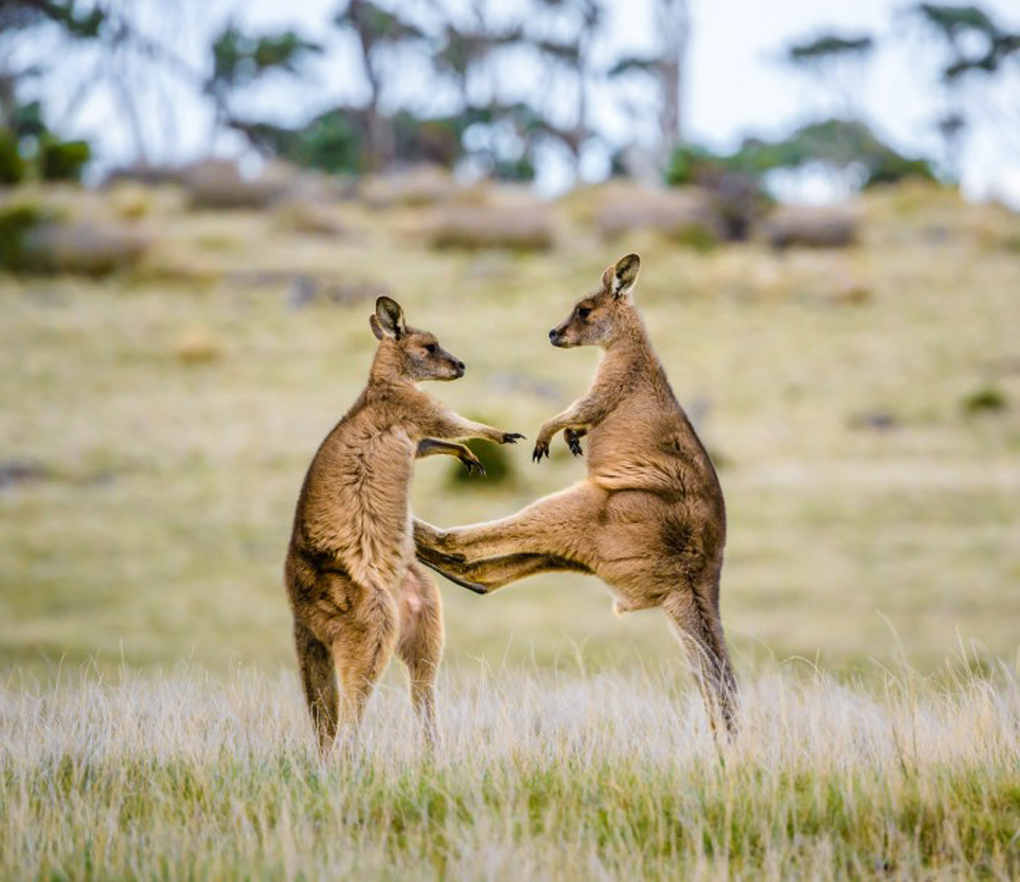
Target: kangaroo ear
388,320
621,277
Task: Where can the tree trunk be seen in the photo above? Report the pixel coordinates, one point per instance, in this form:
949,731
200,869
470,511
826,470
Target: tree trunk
675,26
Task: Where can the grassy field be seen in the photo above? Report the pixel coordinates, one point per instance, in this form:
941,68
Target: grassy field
539,776
863,406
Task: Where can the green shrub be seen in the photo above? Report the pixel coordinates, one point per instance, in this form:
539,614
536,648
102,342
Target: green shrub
987,399
15,222
12,166
496,458
62,160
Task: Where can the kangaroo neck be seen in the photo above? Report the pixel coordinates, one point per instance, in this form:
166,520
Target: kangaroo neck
386,375
630,347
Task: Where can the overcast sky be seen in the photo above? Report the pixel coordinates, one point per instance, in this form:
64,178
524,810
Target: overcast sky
736,82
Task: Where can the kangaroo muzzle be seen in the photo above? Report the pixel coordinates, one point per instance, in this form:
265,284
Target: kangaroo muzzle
557,336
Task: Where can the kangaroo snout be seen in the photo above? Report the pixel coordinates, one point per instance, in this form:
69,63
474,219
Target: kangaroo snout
556,337
460,368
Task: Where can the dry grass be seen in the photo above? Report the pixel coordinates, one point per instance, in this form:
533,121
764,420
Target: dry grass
155,428
539,776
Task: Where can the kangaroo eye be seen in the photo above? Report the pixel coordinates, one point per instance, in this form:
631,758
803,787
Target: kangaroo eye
431,348
583,312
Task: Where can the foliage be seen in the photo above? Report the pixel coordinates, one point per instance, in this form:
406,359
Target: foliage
240,59
62,160
955,24
16,220
374,24
29,149
12,166
497,461
68,14
987,399
838,143
631,63
330,142
827,47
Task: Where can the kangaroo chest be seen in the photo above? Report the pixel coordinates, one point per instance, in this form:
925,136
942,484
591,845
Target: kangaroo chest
360,510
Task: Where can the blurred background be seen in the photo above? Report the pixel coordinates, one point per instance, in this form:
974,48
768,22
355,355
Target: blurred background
200,201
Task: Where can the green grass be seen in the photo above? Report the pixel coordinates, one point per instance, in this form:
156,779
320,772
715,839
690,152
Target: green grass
538,776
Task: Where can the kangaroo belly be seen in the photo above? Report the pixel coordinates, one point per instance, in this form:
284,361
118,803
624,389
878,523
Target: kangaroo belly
358,510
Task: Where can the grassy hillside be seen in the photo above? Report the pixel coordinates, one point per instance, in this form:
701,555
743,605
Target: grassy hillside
863,406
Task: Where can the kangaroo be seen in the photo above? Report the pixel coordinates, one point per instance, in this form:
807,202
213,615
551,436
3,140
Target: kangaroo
649,519
355,589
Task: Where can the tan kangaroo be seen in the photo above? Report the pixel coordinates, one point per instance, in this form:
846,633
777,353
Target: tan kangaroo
648,520
355,589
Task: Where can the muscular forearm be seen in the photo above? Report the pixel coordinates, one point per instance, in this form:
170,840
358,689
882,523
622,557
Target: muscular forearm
453,427
433,447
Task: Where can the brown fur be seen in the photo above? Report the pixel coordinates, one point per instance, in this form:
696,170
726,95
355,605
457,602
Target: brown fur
649,519
356,592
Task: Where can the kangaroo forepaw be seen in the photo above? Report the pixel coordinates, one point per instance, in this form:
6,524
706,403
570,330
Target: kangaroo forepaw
511,437
474,466
541,449
574,443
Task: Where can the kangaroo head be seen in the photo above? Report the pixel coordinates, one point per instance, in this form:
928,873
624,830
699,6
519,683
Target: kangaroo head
597,319
412,354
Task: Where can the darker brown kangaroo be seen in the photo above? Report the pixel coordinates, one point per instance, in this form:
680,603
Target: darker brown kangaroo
355,589
648,520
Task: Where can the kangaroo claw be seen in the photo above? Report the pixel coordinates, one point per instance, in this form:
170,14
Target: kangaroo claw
541,449
464,583
574,443
511,437
473,465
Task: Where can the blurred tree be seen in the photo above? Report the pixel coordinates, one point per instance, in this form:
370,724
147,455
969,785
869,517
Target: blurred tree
976,42
563,32
495,136
839,144
379,32
975,49
666,66
240,60
838,63
27,146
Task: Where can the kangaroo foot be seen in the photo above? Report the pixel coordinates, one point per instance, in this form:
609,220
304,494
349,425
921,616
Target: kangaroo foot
427,552
464,583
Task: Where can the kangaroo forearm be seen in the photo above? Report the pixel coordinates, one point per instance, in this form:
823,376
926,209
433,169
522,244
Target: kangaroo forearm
453,427
434,447
582,414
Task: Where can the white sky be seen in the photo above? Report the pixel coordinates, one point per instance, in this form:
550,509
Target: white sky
736,83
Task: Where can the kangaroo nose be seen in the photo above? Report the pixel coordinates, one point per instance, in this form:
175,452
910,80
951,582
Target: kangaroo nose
460,366
552,334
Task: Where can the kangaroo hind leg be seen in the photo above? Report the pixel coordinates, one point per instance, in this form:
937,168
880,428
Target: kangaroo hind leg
420,646
318,680
559,525
696,623
488,574
361,648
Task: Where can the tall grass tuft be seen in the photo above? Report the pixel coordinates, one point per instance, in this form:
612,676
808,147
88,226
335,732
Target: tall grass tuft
538,775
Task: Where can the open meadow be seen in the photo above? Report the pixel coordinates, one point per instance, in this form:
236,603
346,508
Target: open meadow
862,405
